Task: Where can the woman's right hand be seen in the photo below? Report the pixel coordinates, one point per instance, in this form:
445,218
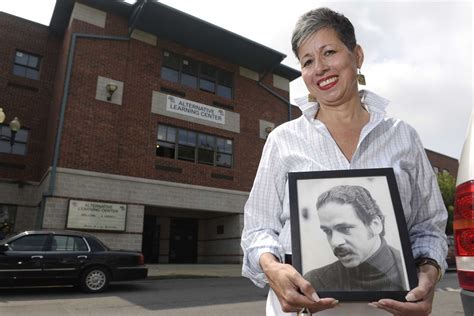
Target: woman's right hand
293,291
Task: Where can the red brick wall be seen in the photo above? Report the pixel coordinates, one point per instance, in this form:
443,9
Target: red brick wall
27,99
121,139
443,162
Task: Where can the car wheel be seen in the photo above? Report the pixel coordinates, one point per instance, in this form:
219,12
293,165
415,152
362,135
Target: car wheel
95,280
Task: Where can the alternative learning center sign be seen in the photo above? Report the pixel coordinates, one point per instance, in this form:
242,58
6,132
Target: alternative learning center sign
96,215
194,109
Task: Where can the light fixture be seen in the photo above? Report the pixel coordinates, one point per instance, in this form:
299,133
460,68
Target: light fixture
268,129
14,128
2,116
111,88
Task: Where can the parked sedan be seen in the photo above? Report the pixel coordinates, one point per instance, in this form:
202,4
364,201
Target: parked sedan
66,257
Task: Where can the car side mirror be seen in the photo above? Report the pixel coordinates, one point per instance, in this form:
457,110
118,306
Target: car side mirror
4,248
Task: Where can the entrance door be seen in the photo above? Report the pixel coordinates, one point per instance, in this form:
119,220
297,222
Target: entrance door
183,240
151,239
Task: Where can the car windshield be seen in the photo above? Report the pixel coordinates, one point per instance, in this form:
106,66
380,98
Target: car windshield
6,237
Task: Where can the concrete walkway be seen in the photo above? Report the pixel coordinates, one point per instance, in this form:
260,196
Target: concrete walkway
193,270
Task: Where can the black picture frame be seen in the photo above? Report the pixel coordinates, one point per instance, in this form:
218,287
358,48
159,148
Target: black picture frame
312,250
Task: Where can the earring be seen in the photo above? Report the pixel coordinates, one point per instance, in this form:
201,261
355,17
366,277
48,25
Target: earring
360,77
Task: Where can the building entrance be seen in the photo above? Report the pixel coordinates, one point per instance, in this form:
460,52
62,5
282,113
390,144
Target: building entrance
183,240
151,239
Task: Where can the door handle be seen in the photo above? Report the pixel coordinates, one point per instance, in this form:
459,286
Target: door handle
36,257
81,257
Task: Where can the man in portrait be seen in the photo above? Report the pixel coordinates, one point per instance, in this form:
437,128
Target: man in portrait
354,227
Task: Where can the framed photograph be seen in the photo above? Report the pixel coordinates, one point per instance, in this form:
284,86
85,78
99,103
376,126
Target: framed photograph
349,235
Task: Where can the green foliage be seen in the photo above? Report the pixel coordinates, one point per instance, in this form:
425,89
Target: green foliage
447,185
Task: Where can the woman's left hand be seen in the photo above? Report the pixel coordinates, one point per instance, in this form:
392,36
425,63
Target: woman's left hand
420,299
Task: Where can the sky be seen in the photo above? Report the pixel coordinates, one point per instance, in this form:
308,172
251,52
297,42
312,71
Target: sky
418,54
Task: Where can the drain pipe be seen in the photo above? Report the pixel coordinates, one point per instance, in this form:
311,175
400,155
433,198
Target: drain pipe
64,100
279,97
70,61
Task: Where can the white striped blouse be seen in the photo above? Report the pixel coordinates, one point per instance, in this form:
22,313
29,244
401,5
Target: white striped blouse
305,144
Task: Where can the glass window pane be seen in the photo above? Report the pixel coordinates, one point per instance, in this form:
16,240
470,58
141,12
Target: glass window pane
224,160
21,58
189,80
206,85
206,156
29,243
186,152
19,149
171,60
225,78
33,61
224,91
182,136
171,135
21,136
32,74
190,67
208,71
19,70
169,74
191,138
162,132
5,146
165,150
228,146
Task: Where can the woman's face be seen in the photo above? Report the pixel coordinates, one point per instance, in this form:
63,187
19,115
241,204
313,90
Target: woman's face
329,68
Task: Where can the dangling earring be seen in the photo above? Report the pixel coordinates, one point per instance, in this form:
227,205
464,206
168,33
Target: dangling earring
360,77
312,98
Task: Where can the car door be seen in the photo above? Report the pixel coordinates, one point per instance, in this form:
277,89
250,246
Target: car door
23,261
65,257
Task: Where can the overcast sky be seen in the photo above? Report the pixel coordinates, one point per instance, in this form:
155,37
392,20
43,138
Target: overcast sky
418,54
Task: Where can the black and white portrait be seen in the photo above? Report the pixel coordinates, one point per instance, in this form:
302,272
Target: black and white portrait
348,234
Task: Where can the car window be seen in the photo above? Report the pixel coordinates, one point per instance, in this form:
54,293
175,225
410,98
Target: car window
29,243
96,245
68,243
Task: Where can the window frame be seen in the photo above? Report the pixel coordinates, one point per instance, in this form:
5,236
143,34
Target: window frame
4,138
221,79
198,147
26,66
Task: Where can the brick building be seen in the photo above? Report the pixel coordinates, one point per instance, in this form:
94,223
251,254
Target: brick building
163,164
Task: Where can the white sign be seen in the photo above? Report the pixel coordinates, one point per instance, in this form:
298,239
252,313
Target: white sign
96,215
194,109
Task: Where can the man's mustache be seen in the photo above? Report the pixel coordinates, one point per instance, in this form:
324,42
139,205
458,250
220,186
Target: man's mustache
342,251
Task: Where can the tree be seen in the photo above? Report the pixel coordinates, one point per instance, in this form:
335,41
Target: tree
447,185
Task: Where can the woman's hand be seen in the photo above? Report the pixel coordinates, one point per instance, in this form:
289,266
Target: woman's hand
293,291
420,299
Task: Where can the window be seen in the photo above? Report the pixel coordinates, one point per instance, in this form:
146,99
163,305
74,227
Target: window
26,65
177,143
206,149
19,146
197,75
166,143
224,152
186,145
68,243
29,243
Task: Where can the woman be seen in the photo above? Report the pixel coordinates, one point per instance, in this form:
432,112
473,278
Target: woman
343,129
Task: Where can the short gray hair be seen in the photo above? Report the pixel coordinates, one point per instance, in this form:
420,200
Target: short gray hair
317,19
359,197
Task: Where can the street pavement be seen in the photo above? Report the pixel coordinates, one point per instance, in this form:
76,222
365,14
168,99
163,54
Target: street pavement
175,290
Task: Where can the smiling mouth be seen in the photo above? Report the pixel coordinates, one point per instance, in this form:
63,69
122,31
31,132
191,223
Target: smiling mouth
327,83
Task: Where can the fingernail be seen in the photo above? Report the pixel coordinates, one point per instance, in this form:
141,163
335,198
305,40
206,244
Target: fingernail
315,297
410,297
373,305
335,302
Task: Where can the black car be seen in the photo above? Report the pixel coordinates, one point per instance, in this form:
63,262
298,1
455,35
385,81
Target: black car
66,257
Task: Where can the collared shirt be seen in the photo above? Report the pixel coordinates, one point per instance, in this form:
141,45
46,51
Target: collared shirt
305,144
